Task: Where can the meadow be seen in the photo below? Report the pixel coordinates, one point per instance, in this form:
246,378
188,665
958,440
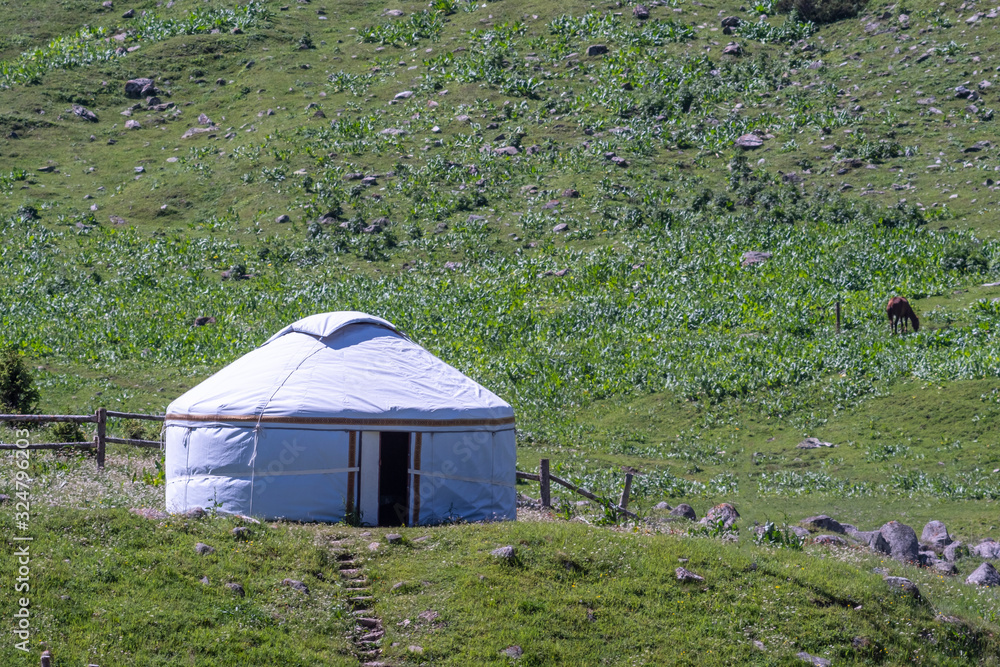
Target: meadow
568,229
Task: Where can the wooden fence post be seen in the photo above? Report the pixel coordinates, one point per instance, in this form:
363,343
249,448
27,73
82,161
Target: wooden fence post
838,317
543,477
626,491
102,432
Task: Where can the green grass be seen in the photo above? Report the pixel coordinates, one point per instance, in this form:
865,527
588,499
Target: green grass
634,338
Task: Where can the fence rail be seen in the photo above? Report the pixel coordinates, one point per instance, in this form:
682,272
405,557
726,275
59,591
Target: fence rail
545,479
101,439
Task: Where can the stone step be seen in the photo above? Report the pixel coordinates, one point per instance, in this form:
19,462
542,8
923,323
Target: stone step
367,622
347,572
372,636
357,590
360,598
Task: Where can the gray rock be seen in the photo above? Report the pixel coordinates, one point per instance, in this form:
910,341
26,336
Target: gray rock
561,227
394,538
749,141
641,12
236,589
282,219
799,531
733,49
684,511
128,14
84,113
823,522
986,549
203,549
204,120
663,505
136,88
241,532
204,581
955,551
903,584
724,511
902,541
506,150
506,554
964,93
831,540
4,498
297,585
194,513
687,575
132,125
813,443
195,131
944,567
513,651
597,50
393,132
985,575
406,94
812,659
755,257
849,529
731,22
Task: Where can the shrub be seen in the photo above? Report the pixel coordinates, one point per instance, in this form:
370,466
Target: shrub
306,42
822,11
18,393
67,432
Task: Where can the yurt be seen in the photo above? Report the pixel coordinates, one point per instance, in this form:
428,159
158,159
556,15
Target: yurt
340,416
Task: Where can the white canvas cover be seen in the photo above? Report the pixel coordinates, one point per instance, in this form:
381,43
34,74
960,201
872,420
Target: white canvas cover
288,430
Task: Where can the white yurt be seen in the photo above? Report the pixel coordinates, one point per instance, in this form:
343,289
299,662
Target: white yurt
341,416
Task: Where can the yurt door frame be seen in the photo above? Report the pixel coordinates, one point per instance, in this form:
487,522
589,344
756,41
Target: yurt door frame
383,478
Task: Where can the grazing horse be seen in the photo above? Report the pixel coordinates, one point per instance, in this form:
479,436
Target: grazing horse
898,309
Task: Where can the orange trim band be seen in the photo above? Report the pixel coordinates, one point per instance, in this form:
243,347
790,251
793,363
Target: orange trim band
339,421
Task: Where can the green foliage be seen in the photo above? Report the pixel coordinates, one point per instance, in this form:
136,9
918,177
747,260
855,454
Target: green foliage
67,432
408,32
822,11
18,392
157,476
782,538
305,42
791,30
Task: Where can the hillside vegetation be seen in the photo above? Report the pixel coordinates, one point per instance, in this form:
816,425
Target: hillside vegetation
553,198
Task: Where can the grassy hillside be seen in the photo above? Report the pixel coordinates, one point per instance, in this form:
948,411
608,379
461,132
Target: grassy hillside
568,229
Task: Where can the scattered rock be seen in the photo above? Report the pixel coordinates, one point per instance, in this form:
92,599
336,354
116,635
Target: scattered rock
955,551
405,95
733,49
194,513
662,505
755,257
236,589
570,193
724,511
823,522
964,93
202,320
513,651
84,113
204,120
902,541
241,532
194,131
597,50
203,549
944,567
394,12
297,585
986,549
136,88
873,539
394,538
132,125
561,227
684,511
831,540
813,443
641,12
506,554
749,141
145,513
506,150
4,498
935,535
731,22
282,219
684,574
812,659
129,14
903,584
393,132
985,575
204,581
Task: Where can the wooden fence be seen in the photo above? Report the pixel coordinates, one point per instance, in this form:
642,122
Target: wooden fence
101,439
545,479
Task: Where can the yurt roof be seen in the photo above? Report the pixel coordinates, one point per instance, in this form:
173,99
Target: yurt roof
342,369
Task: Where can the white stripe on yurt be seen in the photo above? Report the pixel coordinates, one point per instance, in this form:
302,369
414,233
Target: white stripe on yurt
441,475
282,473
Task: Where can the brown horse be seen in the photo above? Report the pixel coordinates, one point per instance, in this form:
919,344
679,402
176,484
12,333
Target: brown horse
898,309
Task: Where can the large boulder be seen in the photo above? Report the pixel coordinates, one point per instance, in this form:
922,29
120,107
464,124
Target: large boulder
873,539
985,575
935,535
986,549
902,540
724,511
684,511
136,88
823,523
954,551
903,584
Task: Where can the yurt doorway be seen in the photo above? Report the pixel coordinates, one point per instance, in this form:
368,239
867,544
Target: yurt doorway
384,478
